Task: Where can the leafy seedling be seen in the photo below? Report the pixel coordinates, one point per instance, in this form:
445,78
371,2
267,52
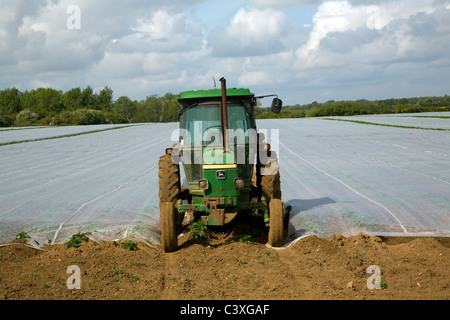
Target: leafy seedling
133,276
130,245
198,230
22,235
248,233
76,240
241,261
245,238
118,271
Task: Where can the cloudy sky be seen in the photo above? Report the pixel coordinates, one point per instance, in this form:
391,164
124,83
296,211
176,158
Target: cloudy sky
303,50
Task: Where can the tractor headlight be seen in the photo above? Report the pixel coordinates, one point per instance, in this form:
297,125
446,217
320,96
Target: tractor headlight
239,183
203,184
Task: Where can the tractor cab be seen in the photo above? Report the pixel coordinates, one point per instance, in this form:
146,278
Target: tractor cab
206,142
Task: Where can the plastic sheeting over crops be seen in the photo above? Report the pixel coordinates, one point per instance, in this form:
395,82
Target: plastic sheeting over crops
336,177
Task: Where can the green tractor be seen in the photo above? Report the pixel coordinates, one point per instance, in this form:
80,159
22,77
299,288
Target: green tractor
229,167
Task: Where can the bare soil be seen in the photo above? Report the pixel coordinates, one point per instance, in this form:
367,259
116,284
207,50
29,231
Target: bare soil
219,267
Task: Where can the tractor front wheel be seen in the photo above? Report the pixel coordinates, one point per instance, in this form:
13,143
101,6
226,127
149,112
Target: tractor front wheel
276,226
169,180
169,240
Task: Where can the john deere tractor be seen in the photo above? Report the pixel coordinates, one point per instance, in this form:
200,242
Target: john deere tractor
228,165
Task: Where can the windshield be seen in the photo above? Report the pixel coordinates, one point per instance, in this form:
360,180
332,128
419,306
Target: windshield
200,126
202,123
196,121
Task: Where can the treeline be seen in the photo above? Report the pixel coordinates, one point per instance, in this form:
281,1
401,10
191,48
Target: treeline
360,107
47,106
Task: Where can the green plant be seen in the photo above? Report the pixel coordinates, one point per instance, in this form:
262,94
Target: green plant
76,240
358,256
130,245
79,260
245,238
22,235
288,208
198,230
118,271
133,276
383,284
247,234
241,261
45,285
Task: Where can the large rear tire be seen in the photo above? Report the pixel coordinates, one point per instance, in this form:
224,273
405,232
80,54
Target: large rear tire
270,177
276,225
271,186
169,240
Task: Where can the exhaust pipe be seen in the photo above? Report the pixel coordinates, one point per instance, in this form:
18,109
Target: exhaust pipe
224,110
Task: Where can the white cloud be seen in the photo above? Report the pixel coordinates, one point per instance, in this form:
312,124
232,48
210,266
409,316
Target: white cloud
336,19
282,3
167,32
252,78
251,32
362,51
162,25
114,39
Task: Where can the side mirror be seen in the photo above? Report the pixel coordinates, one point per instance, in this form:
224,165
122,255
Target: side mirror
276,105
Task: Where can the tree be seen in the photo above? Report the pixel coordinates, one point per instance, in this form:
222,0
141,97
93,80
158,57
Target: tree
72,99
88,98
43,101
10,101
125,106
169,108
105,99
148,110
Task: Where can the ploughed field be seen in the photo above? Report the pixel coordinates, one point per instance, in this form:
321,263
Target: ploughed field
220,267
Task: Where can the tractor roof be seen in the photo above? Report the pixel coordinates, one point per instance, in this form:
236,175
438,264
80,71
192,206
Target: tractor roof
215,93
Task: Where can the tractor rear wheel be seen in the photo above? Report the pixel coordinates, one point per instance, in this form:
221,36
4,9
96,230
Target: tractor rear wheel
169,240
271,186
270,177
276,224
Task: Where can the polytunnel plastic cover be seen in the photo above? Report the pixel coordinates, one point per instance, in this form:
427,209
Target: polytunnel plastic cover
337,177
